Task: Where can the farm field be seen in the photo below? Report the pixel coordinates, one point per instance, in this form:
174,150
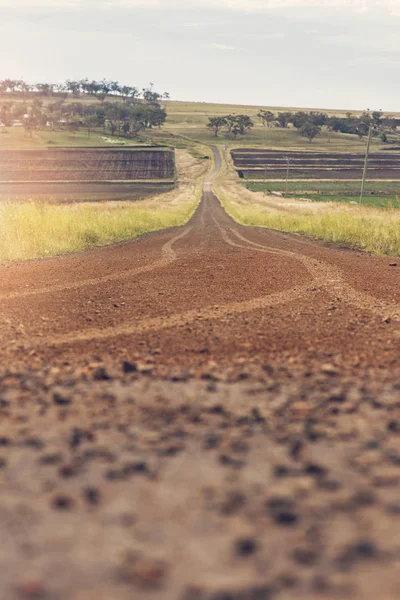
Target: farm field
268,164
80,173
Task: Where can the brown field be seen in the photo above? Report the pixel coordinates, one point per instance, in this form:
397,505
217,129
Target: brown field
93,173
268,164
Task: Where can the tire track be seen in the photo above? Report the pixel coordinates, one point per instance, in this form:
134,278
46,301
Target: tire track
168,255
176,320
331,278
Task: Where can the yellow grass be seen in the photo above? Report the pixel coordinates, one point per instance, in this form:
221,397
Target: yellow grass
369,229
33,229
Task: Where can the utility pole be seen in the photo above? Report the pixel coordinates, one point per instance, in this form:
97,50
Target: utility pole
287,174
366,163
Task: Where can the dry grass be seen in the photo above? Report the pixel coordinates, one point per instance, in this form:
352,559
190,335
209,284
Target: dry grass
369,229
33,229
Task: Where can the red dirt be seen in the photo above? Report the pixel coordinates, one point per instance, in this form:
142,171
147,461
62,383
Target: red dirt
208,412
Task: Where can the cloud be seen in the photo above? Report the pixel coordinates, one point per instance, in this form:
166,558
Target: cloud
216,46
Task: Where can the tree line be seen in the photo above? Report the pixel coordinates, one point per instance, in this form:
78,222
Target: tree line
126,118
233,124
81,87
308,124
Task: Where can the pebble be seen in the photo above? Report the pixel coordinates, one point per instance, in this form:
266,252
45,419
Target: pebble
129,367
62,502
282,510
91,495
61,397
245,546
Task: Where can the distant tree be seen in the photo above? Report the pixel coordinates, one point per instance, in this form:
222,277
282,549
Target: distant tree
90,124
134,94
238,124
30,125
390,124
74,126
266,117
73,87
283,119
216,124
112,113
319,118
244,123
309,130
299,118
5,114
230,123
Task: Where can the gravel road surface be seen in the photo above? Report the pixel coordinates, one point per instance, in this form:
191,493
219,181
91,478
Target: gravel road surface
205,413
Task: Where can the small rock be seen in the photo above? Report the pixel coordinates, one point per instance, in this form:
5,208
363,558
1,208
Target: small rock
91,495
394,426
62,502
328,369
211,441
362,550
129,367
61,397
100,374
282,510
245,546
315,470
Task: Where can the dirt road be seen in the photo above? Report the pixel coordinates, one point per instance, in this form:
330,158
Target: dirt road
209,412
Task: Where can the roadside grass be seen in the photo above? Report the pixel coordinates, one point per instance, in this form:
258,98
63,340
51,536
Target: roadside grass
368,229
33,229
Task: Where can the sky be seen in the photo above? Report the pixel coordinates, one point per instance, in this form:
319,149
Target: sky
297,53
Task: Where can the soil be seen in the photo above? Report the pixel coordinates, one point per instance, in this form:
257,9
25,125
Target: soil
308,165
206,413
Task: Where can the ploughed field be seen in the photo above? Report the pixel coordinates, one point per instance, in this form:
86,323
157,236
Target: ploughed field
272,164
95,170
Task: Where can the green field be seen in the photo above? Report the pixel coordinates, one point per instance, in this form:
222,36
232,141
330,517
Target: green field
15,138
380,194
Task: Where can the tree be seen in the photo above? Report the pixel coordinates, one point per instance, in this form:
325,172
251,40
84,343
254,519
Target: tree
266,117
283,119
5,114
238,124
244,123
215,124
309,130
299,118
73,126
90,124
74,87
112,113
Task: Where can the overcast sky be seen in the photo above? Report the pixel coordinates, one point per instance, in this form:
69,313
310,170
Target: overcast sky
308,53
